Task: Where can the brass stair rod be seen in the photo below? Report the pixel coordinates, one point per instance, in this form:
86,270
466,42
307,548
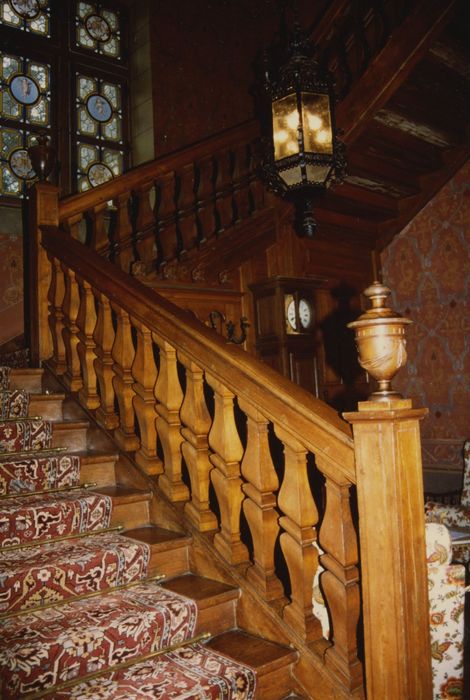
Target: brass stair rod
41,452
78,536
16,419
59,489
84,596
112,669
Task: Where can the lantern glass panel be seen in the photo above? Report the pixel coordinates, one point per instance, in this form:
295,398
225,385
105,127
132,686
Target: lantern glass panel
285,127
317,173
316,119
292,176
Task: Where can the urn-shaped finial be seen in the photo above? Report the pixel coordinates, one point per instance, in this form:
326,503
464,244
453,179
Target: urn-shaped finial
380,340
42,156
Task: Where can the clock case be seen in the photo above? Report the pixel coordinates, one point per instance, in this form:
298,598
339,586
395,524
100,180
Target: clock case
291,351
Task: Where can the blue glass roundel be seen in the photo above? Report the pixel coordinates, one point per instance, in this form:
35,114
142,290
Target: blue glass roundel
24,89
99,108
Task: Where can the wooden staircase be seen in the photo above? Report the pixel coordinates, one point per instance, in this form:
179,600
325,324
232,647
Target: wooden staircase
134,509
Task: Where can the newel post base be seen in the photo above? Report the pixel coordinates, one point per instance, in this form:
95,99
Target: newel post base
43,211
393,560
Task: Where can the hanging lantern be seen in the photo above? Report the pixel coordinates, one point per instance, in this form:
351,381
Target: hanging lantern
302,154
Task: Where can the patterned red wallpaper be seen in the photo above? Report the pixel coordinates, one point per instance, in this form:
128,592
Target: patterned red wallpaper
428,268
11,287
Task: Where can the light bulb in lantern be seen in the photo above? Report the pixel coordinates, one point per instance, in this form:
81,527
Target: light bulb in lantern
315,122
322,136
292,120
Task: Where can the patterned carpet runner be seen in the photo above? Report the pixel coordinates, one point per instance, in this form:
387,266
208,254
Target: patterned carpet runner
45,573
191,673
57,552
39,474
88,635
40,517
14,404
17,436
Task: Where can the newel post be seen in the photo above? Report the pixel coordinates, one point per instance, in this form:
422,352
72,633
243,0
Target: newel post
391,515
43,211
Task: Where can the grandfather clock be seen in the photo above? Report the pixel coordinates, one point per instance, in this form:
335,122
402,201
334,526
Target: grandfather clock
285,327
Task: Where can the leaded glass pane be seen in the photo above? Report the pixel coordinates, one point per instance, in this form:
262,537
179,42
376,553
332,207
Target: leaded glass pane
24,90
99,109
98,29
28,15
15,165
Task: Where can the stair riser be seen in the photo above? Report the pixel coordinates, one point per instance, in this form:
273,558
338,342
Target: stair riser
130,515
101,473
48,407
75,439
217,618
169,562
275,685
28,379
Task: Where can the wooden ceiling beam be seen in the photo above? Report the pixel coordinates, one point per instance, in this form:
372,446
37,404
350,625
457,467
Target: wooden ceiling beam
392,65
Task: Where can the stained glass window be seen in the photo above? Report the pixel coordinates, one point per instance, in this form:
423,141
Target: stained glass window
24,106
37,95
97,165
98,29
28,15
99,122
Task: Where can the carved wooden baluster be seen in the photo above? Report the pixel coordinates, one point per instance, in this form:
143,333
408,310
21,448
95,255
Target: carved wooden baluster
72,226
145,223
223,190
86,322
196,425
122,237
169,397
99,236
259,505
123,356
241,180
340,580
144,372
228,451
186,208
72,376
256,187
167,235
298,522
56,317
104,339
205,198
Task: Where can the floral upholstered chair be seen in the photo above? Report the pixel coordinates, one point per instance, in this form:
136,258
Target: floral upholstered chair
458,515
446,584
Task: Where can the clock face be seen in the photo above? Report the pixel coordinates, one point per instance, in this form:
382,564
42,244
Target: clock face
291,315
305,314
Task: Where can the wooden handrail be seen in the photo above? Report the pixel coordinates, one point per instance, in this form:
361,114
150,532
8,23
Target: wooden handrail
76,204
308,418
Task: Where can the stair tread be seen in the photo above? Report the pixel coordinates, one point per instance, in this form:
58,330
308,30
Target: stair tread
66,424
158,537
260,654
125,494
56,396
205,591
92,456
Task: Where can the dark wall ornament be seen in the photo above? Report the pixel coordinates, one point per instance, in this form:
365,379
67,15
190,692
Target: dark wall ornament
302,155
